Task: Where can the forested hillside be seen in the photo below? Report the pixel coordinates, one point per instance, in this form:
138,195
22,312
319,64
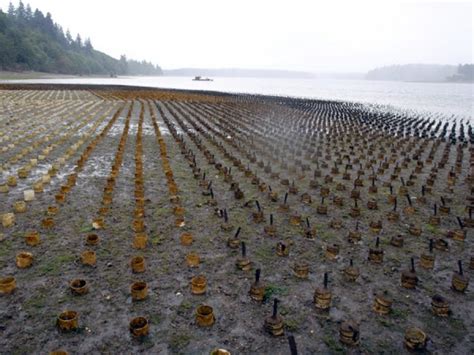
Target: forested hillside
465,73
30,40
423,72
412,72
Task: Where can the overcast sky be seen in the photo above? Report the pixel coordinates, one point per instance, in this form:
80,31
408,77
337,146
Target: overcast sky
320,36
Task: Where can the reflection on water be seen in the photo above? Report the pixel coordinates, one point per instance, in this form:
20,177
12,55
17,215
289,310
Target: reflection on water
447,99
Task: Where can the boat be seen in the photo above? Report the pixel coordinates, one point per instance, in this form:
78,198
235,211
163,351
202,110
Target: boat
200,78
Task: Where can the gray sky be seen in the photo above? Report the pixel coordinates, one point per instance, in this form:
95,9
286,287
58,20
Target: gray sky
323,36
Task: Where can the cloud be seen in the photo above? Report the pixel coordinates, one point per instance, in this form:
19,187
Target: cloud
300,35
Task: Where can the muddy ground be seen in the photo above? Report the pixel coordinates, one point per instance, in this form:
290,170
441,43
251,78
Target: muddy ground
28,317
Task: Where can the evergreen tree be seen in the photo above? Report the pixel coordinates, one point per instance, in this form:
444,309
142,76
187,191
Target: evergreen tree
29,12
49,26
69,37
21,12
3,21
123,66
78,41
38,19
32,41
11,10
88,45
60,36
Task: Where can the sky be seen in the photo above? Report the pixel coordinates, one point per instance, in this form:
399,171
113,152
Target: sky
313,35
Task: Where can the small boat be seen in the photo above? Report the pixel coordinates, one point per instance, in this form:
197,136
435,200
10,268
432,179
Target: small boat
200,78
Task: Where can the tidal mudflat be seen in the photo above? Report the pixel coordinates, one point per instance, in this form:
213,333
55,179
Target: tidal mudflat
153,220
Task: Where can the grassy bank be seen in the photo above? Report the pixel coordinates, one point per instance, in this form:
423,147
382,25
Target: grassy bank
27,75
8,75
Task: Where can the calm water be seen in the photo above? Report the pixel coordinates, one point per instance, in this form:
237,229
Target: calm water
433,99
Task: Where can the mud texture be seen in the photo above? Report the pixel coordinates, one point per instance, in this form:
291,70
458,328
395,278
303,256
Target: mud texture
175,160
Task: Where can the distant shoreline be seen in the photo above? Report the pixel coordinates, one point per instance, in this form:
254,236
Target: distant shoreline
32,75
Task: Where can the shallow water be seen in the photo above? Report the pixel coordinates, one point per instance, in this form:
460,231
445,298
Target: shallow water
446,99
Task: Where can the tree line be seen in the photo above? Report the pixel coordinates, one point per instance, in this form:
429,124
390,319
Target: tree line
465,73
423,72
30,40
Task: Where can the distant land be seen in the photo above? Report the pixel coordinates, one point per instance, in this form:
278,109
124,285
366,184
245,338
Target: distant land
32,41
424,73
404,72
